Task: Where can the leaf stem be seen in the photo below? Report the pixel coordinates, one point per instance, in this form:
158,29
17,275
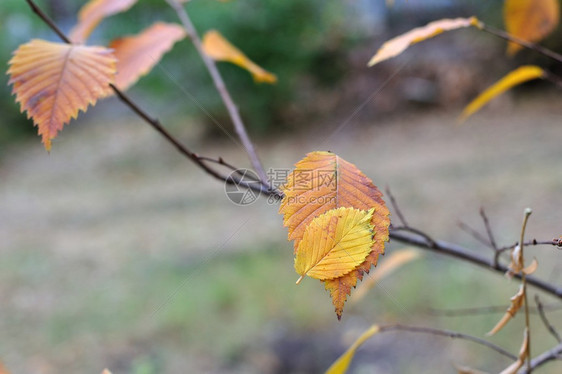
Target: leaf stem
300,279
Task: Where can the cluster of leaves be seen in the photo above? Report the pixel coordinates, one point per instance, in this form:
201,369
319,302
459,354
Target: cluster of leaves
338,221
53,82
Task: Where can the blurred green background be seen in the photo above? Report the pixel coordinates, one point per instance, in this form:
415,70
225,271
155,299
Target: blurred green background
116,252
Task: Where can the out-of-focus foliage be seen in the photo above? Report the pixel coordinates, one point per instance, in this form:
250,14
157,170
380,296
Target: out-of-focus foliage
279,36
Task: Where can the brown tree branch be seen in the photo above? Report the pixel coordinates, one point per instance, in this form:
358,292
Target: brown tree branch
462,253
239,126
553,354
262,189
491,309
446,333
506,36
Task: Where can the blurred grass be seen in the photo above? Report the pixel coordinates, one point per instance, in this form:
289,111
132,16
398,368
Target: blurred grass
116,252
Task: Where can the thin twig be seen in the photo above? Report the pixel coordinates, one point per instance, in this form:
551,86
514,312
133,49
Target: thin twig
529,243
473,311
475,234
547,324
429,239
528,212
553,354
223,91
48,21
156,124
396,207
488,228
506,36
449,334
464,254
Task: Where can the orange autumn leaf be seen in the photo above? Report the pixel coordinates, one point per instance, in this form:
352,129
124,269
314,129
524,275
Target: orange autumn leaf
53,82
399,44
323,181
335,243
93,13
530,20
220,49
137,55
516,77
516,304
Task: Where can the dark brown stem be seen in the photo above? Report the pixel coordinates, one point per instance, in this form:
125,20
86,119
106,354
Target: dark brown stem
545,320
223,91
48,21
447,333
396,207
506,36
488,228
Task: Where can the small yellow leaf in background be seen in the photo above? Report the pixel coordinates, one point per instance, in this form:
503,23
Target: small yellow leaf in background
514,78
523,352
106,372
530,20
342,363
395,46
54,81
335,243
137,55
516,304
93,13
220,49
390,264
530,269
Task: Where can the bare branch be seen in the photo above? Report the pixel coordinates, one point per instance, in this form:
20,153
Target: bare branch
488,228
473,311
547,324
449,334
223,91
475,234
506,36
553,354
461,253
396,207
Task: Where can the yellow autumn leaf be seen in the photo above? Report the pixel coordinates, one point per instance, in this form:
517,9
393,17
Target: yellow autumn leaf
335,243
93,13
530,20
54,81
516,304
390,264
514,78
399,44
136,55
220,49
342,363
